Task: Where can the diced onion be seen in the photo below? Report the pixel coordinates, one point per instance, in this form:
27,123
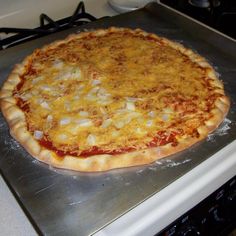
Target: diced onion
45,105
106,123
121,111
94,90
105,102
149,123
102,91
83,113
58,64
62,136
115,133
131,99
67,106
26,96
133,114
95,82
65,121
38,134
140,131
46,87
91,139
104,96
37,79
167,110
119,124
151,114
165,117
90,97
84,122
73,73
130,106
76,73
103,111
81,86
49,118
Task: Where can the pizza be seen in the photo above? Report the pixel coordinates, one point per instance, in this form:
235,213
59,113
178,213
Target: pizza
111,98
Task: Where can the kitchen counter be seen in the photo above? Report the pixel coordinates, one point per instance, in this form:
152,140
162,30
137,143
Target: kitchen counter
13,219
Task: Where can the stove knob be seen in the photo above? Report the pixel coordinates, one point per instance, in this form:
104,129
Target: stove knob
200,3
230,205
218,216
189,230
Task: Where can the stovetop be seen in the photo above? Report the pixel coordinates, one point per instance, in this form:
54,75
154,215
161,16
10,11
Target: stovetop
31,189
47,26
218,14
63,202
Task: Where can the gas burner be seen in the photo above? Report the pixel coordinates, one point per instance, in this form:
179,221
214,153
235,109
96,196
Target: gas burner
204,3
218,14
200,3
47,26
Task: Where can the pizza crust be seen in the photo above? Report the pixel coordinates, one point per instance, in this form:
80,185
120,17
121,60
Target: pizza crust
18,127
107,162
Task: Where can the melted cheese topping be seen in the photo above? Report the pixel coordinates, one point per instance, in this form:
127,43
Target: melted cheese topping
111,92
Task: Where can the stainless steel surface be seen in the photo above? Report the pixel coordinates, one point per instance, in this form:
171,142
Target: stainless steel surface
63,202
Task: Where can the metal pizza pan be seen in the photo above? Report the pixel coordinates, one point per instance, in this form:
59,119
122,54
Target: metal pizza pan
67,202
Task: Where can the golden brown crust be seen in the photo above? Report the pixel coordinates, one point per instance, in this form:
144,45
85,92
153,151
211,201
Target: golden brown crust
18,127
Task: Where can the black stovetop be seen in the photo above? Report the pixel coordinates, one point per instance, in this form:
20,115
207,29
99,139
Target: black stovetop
219,14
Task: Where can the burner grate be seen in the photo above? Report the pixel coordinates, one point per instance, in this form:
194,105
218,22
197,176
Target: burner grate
47,26
219,14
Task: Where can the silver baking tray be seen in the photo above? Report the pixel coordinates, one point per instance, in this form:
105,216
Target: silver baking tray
60,202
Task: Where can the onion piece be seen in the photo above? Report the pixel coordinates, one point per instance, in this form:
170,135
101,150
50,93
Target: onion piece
119,124
46,87
38,134
167,110
130,106
149,123
71,73
84,122
62,137
26,96
140,131
37,79
95,82
152,114
94,90
45,105
165,117
91,140
131,99
106,123
65,121
57,64
115,133
67,106
49,118
103,111
83,113
90,97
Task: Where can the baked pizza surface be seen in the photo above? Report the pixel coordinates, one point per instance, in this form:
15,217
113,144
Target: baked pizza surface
111,98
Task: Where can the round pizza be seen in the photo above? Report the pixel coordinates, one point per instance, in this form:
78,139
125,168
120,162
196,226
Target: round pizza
111,98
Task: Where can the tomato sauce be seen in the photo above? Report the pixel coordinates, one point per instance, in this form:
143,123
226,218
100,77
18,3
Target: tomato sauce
162,138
